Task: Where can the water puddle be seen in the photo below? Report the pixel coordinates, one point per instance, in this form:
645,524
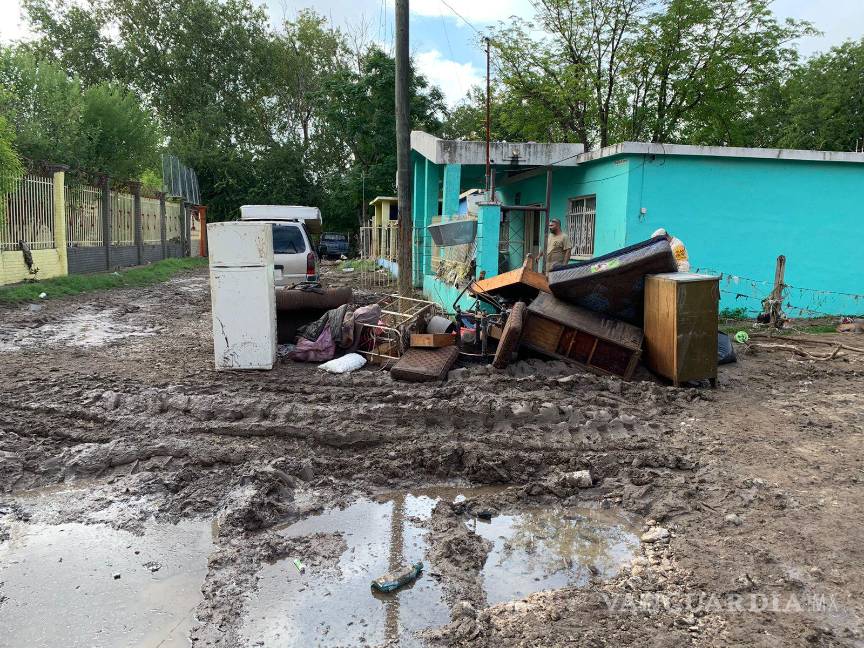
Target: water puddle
550,548
533,549
339,609
59,586
85,328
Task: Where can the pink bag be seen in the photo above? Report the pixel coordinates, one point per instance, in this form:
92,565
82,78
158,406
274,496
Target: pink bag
320,350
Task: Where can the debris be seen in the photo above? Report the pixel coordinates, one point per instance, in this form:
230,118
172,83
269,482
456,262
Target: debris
422,365
392,581
117,576
521,283
579,479
299,565
43,295
741,337
345,364
656,534
153,566
576,334
432,340
613,284
440,324
851,327
510,336
732,518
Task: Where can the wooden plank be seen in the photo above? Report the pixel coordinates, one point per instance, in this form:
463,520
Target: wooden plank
541,334
522,279
432,340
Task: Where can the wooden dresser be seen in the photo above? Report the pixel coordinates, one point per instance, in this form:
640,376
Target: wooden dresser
681,326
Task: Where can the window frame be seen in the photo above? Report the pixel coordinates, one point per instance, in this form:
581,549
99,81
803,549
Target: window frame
582,252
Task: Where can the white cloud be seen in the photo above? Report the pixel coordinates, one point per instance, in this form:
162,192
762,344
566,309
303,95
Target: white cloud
480,11
454,78
11,25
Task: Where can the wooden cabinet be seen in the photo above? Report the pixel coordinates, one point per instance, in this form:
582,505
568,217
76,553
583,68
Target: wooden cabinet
681,326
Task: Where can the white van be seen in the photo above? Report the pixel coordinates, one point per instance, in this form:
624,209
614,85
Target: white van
294,256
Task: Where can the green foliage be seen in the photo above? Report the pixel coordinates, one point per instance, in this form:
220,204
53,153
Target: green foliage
604,71
826,101
117,135
75,284
358,107
734,313
10,165
101,128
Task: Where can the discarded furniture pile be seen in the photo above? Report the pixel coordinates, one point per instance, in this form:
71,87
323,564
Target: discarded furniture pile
605,315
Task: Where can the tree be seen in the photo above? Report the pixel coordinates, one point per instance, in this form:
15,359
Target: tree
117,135
358,110
10,165
826,101
666,70
43,107
102,129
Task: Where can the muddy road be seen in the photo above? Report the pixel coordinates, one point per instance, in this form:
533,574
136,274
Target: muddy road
147,500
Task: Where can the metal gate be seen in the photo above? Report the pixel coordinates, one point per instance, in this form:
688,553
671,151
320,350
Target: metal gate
379,256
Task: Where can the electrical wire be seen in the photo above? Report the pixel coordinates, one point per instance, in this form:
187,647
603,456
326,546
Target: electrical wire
462,18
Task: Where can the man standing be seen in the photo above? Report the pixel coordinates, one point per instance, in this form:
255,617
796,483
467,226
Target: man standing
558,246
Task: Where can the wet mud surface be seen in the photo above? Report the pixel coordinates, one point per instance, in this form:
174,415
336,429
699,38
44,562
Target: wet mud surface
727,517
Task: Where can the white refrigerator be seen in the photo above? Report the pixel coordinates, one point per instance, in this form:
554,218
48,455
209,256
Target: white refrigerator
242,296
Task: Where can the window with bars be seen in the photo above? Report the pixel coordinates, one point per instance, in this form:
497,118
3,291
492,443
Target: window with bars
581,217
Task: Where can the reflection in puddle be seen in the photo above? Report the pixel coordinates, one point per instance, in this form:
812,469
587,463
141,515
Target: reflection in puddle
533,549
542,549
60,589
85,328
338,608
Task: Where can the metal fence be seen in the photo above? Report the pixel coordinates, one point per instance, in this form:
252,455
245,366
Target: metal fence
83,216
122,219
379,256
28,214
151,218
173,222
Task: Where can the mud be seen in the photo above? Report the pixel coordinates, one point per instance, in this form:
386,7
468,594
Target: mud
758,483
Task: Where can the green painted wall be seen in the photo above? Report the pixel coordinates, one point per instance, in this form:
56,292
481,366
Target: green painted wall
736,215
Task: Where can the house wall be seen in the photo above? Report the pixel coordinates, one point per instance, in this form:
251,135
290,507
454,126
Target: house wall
736,215
607,179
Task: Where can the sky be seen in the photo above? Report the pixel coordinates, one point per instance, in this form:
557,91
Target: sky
447,50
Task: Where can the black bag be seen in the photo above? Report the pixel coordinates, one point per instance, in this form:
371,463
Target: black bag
725,350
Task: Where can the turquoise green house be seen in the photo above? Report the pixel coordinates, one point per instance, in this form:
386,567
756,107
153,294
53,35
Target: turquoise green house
736,210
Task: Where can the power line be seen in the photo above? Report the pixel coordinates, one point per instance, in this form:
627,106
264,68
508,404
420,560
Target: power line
461,17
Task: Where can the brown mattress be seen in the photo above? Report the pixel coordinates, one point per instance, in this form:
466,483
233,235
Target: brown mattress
425,365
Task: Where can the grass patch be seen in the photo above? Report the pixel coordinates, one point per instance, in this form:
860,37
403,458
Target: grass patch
359,265
75,284
793,328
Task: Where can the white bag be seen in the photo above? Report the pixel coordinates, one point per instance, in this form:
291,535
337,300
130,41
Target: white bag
346,364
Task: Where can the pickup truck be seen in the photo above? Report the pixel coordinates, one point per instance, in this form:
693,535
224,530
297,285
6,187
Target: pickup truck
333,245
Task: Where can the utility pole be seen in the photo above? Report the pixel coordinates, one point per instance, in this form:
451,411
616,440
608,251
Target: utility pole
490,190
403,150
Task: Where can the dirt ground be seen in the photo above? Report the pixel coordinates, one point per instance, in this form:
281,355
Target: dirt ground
751,496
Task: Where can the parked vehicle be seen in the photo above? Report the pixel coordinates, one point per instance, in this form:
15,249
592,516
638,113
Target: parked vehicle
294,257
333,245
